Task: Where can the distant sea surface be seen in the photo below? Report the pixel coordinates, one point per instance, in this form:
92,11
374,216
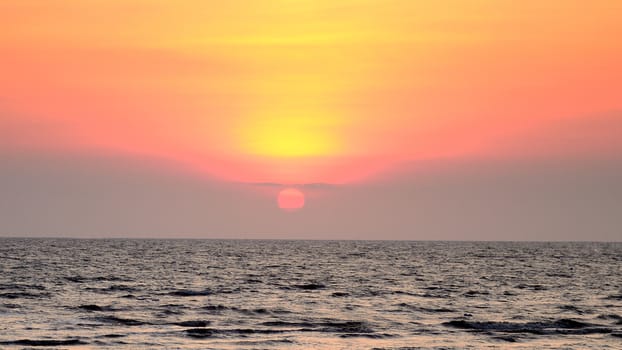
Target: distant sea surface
230,294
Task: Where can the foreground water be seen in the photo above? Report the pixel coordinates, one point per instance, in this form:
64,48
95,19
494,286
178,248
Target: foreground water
227,294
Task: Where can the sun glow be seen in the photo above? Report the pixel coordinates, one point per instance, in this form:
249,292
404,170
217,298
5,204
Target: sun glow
288,137
288,91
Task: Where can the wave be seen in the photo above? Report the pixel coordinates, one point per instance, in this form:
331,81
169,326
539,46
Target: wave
83,279
113,335
617,318
562,326
121,321
10,286
197,323
425,309
45,342
211,332
220,309
190,293
113,289
572,308
310,286
96,308
327,326
345,329
24,295
202,292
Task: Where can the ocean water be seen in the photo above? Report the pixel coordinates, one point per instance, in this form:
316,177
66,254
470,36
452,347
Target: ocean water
244,294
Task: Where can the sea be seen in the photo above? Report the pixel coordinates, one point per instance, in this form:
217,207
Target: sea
278,294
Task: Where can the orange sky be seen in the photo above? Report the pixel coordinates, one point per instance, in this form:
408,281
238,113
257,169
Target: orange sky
298,91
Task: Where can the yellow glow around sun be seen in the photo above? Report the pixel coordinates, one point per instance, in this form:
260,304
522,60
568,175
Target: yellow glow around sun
288,137
295,91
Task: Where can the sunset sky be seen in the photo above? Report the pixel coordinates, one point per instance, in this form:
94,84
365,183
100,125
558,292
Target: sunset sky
186,118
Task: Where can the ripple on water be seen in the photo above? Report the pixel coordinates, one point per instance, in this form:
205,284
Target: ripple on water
130,294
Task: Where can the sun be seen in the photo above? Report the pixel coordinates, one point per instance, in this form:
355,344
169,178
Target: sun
291,199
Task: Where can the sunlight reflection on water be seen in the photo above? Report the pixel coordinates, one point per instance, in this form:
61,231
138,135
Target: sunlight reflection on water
228,294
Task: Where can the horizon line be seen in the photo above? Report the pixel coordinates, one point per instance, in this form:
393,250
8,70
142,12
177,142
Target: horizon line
305,239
